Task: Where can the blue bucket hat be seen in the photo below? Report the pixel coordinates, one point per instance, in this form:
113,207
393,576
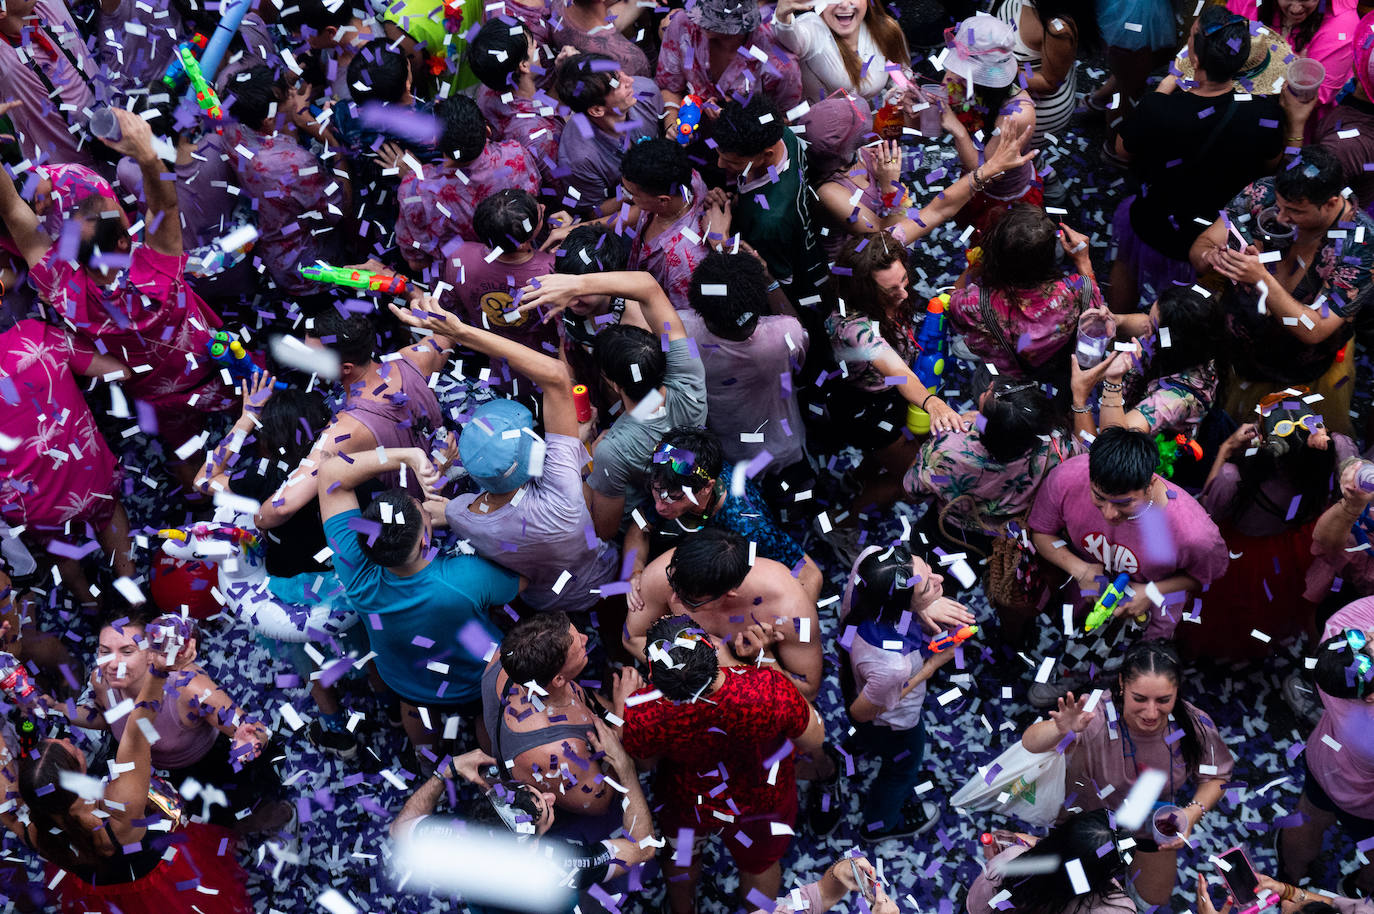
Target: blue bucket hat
498,446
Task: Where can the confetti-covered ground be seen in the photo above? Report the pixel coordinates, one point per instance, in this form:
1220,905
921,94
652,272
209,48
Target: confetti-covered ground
345,808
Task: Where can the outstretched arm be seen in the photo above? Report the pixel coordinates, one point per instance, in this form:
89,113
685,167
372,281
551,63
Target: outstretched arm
20,219
555,291
560,417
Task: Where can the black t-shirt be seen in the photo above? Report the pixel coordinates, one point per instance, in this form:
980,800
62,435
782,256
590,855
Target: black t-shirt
1183,192
292,547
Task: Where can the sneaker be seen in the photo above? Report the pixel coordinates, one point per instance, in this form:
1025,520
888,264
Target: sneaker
825,808
1109,157
1044,696
339,743
1055,191
1301,697
916,818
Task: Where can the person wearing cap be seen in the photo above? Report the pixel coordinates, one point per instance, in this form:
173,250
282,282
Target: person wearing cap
842,166
530,513
1193,148
657,389
720,50
719,741
430,627
1292,320
530,813
981,82
611,111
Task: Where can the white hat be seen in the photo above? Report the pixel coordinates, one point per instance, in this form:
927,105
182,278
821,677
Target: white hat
980,51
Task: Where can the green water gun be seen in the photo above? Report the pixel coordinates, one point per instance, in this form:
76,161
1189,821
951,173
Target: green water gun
205,93
357,279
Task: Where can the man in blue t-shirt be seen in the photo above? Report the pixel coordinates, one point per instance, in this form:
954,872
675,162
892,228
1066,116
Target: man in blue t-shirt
426,617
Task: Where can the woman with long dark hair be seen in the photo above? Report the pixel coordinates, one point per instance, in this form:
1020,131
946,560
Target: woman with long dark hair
1154,729
1016,308
123,843
1270,481
1169,381
888,665
1087,837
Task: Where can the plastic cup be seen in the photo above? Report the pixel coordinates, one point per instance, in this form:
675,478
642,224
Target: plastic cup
1093,341
1276,235
1364,477
1305,77
917,420
928,118
1168,823
105,125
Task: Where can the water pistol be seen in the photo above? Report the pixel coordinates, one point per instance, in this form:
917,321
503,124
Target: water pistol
1170,448
582,402
933,342
175,74
205,93
688,120
357,279
952,639
1108,601
229,354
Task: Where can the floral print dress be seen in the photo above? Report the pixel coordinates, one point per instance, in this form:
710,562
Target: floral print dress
1038,322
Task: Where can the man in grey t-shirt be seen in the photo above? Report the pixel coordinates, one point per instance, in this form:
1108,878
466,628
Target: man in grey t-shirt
657,389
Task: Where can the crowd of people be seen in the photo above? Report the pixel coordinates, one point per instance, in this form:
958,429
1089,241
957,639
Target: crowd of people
598,426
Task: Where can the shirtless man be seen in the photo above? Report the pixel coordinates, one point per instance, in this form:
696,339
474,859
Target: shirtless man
536,718
709,578
388,404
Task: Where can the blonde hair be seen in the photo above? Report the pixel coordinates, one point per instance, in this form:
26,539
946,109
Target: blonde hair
887,35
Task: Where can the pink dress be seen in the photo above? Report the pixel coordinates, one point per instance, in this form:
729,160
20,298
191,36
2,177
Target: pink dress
436,211
1340,751
61,470
1333,46
684,65
152,321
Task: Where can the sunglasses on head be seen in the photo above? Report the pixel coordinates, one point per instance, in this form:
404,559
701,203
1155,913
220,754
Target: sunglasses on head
681,462
1285,427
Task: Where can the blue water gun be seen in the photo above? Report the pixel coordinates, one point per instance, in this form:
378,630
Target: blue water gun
933,342
229,354
688,120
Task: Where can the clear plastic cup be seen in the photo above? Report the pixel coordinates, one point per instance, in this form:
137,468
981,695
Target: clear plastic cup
928,118
1305,77
105,125
1168,823
1364,477
1276,235
1093,341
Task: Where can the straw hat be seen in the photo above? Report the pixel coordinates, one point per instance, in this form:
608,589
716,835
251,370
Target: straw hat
1264,70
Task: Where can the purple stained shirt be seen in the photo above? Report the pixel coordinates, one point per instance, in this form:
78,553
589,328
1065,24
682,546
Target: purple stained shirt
675,253
545,530
203,197
1347,773
406,414
591,157
750,402
684,66
531,122
298,199
50,131
436,211
1166,540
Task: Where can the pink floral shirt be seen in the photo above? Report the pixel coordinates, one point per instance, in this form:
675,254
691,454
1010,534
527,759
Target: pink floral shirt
150,320
62,470
436,211
684,65
1037,323
603,40
531,122
298,199
672,257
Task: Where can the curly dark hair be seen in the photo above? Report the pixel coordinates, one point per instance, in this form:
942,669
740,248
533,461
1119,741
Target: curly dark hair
854,285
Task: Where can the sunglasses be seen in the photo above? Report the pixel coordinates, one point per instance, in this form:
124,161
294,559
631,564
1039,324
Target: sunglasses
1364,664
681,462
663,494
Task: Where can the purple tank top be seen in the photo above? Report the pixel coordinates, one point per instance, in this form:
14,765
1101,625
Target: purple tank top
408,417
181,742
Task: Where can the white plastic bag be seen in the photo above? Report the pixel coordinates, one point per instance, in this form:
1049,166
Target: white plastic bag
1019,783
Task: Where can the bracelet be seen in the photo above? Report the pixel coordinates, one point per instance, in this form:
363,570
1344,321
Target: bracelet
979,183
773,286
1112,386
1286,892
926,400
1084,410
1119,404
1196,803
154,705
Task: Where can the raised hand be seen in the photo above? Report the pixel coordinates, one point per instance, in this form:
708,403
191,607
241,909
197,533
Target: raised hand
257,391
1070,717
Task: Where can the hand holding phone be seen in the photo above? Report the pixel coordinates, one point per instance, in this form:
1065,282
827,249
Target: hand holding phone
1242,882
865,880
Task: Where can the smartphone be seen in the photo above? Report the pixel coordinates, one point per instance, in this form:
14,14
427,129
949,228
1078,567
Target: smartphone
1241,880
867,884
